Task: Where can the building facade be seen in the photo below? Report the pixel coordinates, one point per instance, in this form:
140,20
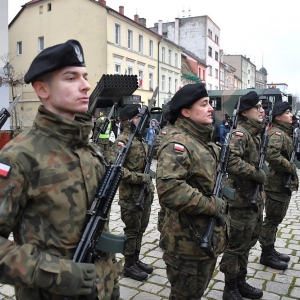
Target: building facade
199,35
245,69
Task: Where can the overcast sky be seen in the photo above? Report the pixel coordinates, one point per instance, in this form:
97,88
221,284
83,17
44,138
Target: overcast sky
266,31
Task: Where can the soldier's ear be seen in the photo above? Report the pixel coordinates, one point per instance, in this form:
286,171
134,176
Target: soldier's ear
42,89
185,112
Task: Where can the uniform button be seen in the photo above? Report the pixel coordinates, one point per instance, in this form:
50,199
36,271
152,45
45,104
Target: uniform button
88,177
97,280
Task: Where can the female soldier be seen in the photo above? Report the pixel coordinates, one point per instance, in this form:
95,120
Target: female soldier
186,173
245,222
135,220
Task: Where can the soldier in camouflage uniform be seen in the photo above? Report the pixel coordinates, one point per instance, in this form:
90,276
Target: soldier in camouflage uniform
245,223
135,220
186,174
280,148
102,139
49,175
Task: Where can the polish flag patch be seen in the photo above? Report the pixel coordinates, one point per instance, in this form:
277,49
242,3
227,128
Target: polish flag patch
278,133
164,132
4,170
120,144
239,133
178,147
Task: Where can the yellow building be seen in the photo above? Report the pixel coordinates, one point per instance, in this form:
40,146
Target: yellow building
112,44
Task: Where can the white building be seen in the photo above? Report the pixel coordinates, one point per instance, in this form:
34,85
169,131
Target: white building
201,36
4,90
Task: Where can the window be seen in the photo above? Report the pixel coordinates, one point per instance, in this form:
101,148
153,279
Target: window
176,85
216,103
209,86
163,82
141,41
117,34
19,48
210,70
203,76
117,69
141,75
49,7
41,43
163,52
130,39
209,51
176,60
150,81
209,33
151,48
130,71
217,39
41,9
170,57
170,84
216,56
217,73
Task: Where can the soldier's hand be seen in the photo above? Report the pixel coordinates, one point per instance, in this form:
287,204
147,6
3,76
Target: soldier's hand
293,168
74,278
220,205
260,176
146,178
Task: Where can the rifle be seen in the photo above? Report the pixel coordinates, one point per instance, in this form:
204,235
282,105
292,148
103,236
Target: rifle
293,159
220,188
263,153
104,125
86,250
5,113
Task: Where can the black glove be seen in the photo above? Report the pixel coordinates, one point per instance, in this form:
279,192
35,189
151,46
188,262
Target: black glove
260,176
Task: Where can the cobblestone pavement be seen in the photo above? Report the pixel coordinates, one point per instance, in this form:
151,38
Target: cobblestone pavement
277,285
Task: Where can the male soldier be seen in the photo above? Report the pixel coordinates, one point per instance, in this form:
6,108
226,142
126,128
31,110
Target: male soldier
245,223
280,148
103,139
135,220
49,175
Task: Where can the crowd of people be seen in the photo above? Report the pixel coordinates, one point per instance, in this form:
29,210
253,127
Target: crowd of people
50,173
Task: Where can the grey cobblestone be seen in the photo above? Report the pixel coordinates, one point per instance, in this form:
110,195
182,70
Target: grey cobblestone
277,285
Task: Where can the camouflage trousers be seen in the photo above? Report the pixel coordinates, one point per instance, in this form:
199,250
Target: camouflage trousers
275,212
245,227
160,219
188,278
104,146
136,223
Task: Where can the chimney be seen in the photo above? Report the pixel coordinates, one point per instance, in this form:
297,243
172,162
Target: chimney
142,21
159,30
103,2
176,38
121,10
136,18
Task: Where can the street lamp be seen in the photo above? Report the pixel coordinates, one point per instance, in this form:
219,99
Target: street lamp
8,68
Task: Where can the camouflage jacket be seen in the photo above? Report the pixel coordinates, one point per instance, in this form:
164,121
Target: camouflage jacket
280,148
53,178
101,140
162,133
185,179
133,167
244,158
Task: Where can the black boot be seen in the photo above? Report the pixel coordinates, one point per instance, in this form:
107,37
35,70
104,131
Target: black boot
132,270
246,290
148,269
269,259
281,256
230,289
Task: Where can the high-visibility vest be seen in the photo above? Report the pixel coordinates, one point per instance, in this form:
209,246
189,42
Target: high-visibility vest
107,132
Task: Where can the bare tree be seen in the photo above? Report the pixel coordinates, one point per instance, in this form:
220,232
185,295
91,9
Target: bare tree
11,77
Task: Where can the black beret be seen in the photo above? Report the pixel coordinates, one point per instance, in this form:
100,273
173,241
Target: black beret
55,58
129,111
187,96
279,108
248,101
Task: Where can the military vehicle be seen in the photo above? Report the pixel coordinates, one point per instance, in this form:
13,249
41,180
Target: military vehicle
223,101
